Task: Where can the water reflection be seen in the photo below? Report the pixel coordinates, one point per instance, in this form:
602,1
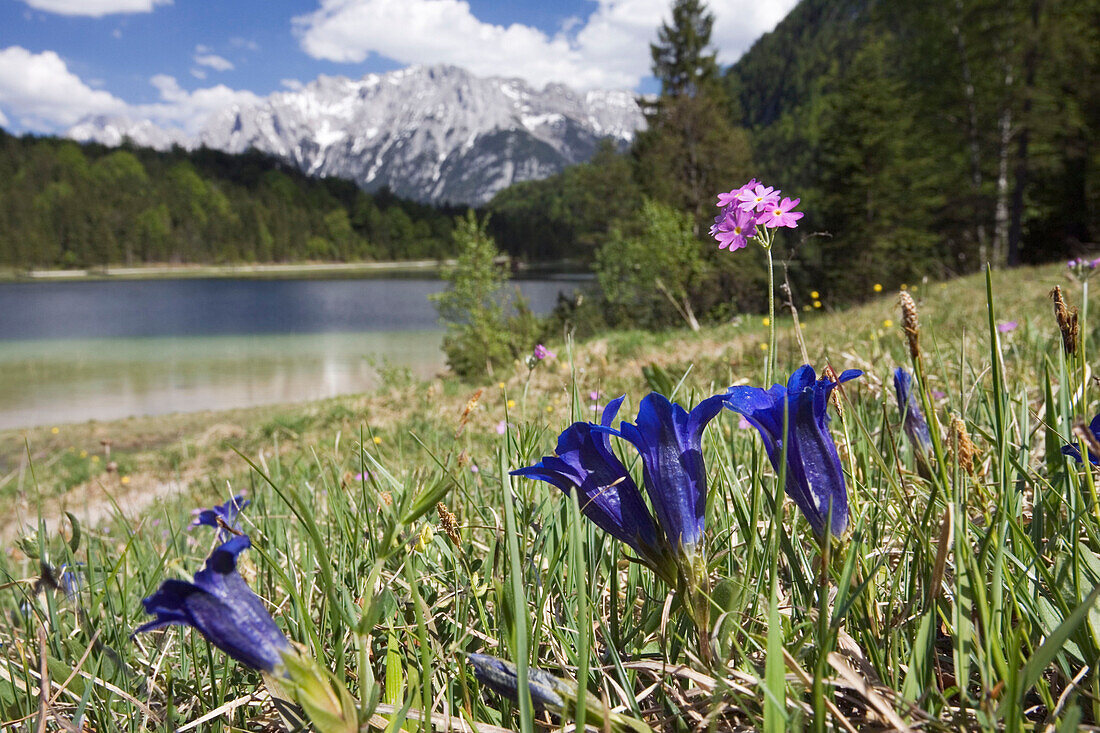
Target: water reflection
75,351
57,381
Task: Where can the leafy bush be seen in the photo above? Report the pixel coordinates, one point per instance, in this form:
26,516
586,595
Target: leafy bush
481,332
648,278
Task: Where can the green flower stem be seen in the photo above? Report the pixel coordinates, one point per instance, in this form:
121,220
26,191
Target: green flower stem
695,595
766,237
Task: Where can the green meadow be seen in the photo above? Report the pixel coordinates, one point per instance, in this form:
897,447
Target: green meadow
389,542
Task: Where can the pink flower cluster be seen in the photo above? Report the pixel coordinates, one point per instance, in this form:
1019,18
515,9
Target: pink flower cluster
746,208
1081,263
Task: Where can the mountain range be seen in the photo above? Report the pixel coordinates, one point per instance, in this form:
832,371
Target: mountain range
430,133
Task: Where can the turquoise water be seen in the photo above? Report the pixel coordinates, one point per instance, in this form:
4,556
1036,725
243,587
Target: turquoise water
71,352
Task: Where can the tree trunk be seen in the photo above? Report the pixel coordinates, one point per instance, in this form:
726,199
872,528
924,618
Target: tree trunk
1000,214
1031,61
973,140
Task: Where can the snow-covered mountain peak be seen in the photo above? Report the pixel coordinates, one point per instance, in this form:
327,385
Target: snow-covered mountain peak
434,133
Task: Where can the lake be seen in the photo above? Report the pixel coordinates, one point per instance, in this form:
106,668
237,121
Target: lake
76,351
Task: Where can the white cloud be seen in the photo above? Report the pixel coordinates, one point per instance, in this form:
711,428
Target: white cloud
188,110
39,92
245,43
95,8
215,62
292,84
609,49
198,73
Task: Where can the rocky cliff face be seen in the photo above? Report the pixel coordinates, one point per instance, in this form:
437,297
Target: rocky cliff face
431,133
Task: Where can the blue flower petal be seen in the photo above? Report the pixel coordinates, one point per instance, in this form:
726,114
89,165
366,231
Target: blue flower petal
913,422
815,479
608,495
222,516
669,440
1074,452
221,606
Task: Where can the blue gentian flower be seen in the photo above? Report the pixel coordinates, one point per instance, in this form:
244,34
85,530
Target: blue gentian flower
222,516
912,419
70,580
501,677
223,608
815,480
1075,452
669,439
607,495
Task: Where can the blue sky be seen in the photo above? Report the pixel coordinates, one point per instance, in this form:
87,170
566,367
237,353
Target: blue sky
175,61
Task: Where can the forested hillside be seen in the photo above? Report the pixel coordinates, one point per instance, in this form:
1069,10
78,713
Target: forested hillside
63,204
922,138
947,133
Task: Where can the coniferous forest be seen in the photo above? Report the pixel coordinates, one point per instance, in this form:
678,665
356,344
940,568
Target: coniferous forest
924,139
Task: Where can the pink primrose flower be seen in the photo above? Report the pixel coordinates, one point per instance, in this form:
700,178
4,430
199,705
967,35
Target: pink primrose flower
759,198
782,214
726,199
734,228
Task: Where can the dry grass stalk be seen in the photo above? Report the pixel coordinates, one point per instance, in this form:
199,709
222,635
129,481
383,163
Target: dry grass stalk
829,373
909,323
1084,433
1067,321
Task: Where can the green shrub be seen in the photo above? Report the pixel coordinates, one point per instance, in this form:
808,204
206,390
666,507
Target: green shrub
481,333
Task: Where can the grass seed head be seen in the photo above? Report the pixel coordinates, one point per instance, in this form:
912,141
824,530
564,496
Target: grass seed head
471,405
1067,320
909,323
965,450
448,522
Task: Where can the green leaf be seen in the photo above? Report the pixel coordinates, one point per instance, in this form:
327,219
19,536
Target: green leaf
74,540
917,679
427,499
1054,643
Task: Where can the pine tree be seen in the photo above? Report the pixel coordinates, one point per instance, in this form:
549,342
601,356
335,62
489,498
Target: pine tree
690,150
681,60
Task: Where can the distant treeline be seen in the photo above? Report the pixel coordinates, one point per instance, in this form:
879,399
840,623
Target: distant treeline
64,204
